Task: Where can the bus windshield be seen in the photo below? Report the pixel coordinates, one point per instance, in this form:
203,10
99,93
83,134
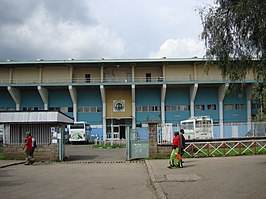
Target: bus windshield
77,126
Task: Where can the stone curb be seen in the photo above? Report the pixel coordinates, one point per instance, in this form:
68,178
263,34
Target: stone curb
158,189
11,164
100,162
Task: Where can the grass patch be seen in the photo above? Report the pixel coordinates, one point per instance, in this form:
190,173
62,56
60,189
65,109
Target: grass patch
109,146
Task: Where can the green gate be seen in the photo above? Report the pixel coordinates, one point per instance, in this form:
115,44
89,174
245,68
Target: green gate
137,147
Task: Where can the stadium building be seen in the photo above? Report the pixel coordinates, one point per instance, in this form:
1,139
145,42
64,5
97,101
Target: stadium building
111,94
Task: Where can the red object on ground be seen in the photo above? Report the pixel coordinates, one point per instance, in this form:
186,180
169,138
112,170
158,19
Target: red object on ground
178,156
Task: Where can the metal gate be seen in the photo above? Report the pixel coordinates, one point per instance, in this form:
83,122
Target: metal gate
137,146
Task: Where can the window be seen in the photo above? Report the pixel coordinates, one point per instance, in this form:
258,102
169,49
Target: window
138,108
129,77
80,109
93,108
228,107
200,107
10,109
144,108
99,109
106,77
64,109
26,108
173,108
157,108
2,108
88,78
211,107
148,77
70,109
239,106
167,108
151,108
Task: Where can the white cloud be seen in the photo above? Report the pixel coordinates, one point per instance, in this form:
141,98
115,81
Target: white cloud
39,36
184,47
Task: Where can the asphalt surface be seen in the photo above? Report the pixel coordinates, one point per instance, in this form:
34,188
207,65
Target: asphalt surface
88,153
123,180
207,178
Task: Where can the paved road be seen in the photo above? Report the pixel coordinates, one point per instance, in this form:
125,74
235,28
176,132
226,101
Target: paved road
230,177
123,180
86,152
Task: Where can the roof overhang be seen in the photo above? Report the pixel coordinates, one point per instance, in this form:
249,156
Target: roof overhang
35,117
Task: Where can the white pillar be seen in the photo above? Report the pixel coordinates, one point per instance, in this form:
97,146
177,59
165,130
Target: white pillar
15,94
102,73
163,93
133,94
249,97
44,95
133,72
221,94
104,110
74,97
193,92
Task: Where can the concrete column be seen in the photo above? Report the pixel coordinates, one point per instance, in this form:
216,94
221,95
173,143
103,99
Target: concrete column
164,72
249,98
71,70
44,95
133,94
74,97
133,72
104,110
102,73
15,94
10,75
194,71
221,94
40,74
163,93
193,92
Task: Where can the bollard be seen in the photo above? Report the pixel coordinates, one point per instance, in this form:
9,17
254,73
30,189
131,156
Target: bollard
239,148
255,147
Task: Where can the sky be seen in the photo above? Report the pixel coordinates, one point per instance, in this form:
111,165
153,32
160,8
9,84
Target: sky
92,29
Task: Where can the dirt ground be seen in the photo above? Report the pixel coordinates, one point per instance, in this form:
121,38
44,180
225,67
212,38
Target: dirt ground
88,153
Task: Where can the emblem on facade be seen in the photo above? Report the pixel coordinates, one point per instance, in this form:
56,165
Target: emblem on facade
119,106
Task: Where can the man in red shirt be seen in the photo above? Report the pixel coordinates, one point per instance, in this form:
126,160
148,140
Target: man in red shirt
28,146
174,161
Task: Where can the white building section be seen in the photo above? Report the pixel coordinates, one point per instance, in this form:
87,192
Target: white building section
163,93
74,98
221,94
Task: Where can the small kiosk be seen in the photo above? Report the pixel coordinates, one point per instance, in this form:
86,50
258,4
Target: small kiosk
47,127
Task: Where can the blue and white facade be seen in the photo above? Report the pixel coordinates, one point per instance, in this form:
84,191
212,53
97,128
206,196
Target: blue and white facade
113,94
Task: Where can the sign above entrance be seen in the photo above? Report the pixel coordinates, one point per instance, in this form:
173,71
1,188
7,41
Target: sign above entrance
119,106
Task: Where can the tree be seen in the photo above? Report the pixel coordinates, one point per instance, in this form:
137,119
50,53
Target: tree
234,32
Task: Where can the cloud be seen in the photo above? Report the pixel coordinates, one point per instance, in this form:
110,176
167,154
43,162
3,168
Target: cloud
50,30
184,47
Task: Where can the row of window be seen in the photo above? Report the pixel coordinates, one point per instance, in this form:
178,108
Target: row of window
97,109
93,109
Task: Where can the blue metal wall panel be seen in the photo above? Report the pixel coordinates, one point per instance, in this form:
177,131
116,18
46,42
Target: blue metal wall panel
89,97
235,115
207,96
6,99
177,96
148,97
59,98
91,118
31,98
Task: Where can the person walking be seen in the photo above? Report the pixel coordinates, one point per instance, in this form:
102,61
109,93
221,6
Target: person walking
182,141
174,161
28,146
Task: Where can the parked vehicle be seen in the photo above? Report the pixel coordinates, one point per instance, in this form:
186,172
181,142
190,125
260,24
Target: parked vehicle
79,132
200,127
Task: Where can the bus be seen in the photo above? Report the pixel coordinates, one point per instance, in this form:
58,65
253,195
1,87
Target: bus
200,127
79,132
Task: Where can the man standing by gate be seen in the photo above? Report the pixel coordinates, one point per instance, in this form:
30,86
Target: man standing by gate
28,146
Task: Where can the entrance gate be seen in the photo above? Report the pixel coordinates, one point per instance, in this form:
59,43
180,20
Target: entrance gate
137,147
